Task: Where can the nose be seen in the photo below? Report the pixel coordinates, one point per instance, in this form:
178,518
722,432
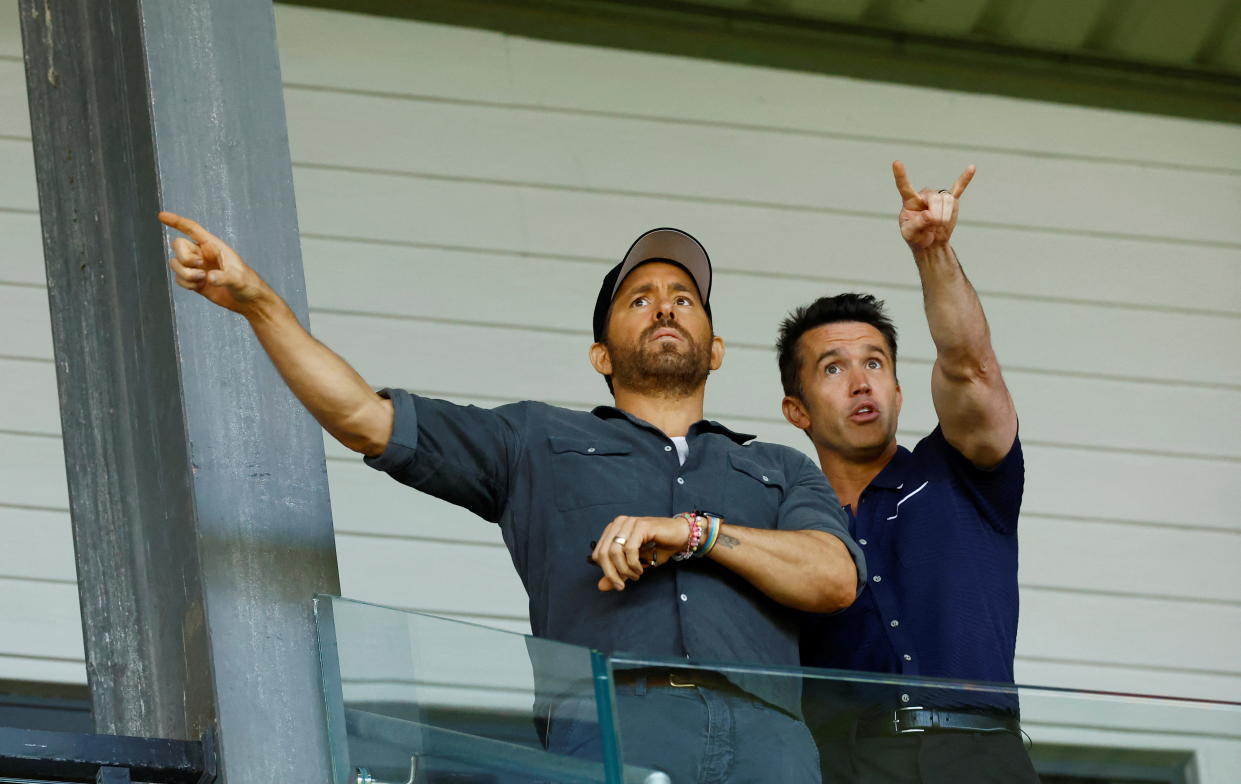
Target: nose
859,384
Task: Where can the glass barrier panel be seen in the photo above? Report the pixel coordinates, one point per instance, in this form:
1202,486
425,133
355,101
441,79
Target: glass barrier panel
413,698
775,724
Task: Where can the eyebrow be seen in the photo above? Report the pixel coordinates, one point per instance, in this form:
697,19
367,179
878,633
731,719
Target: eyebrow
867,348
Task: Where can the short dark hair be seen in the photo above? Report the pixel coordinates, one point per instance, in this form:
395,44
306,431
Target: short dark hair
827,310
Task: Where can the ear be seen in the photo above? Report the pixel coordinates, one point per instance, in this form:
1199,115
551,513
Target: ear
795,412
600,359
900,398
717,352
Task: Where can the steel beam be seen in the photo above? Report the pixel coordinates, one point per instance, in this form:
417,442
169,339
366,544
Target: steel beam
197,483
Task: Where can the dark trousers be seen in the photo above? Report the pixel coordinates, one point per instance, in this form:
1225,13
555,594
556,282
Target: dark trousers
695,735
929,758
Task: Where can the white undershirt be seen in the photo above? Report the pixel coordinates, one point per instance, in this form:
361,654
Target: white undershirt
682,448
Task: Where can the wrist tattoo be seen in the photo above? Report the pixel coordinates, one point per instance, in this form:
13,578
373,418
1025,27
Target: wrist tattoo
728,541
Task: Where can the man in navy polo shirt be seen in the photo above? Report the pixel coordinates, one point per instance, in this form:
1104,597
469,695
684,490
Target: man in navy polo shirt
938,525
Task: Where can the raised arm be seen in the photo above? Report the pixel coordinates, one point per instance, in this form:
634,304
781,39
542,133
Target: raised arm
329,387
971,399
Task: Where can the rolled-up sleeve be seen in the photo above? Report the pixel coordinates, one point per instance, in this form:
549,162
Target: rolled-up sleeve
461,454
810,504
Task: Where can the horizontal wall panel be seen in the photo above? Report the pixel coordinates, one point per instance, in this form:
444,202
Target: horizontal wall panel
25,668
28,401
1120,558
410,58
40,620
1129,631
39,545
653,157
32,472
436,577
17,187
1105,676
1086,340
14,111
11,36
23,249
366,501
28,307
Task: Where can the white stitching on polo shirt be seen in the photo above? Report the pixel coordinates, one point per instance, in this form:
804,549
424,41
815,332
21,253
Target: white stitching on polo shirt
906,498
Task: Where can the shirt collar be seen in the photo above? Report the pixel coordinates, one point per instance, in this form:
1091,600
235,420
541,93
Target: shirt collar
701,426
896,472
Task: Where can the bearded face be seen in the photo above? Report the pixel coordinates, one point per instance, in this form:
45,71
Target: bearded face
664,360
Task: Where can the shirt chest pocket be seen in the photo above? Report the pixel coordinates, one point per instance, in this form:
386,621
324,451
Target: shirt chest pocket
754,493
592,472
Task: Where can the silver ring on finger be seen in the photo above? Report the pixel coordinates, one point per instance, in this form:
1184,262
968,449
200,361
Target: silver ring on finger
619,540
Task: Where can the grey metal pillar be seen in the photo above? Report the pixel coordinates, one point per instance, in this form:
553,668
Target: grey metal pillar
197,483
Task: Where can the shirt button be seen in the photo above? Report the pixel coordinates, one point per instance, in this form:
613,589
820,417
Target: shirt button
680,480
894,623
907,657
765,479
904,698
877,579
684,598
861,541
591,449
667,449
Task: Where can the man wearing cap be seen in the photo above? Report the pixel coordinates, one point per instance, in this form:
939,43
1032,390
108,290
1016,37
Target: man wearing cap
639,527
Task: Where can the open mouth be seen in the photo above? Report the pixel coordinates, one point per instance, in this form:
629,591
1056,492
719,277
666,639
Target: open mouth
666,332
864,413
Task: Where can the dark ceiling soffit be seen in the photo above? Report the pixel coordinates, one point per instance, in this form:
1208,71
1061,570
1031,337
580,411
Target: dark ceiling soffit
864,52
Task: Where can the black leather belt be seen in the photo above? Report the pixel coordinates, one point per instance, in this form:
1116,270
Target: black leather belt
907,721
677,679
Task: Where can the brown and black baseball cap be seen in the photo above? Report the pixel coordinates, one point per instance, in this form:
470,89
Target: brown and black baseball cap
668,245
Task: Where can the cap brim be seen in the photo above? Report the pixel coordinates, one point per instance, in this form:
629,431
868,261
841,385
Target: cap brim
673,245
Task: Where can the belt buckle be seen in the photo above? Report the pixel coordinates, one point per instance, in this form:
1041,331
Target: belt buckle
896,721
680,684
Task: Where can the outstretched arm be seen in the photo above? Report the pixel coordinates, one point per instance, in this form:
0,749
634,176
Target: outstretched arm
971,399
328,386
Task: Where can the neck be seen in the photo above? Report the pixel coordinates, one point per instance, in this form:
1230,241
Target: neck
849,475
672,415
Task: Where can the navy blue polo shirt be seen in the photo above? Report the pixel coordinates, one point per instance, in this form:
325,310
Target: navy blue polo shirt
553,478
940,538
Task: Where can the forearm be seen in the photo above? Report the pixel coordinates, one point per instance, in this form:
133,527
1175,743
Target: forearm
954,314
334,393
806,570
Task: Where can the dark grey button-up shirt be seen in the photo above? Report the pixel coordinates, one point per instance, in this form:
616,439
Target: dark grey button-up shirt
553,478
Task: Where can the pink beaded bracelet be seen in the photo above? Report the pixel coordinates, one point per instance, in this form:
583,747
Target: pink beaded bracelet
695,537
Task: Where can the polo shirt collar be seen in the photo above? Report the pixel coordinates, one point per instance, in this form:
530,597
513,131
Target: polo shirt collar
701,426
896,472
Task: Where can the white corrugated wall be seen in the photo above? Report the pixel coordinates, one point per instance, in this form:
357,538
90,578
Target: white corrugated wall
461,192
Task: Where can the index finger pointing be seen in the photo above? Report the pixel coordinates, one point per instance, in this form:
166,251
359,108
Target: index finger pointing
902,183
963,181
186,226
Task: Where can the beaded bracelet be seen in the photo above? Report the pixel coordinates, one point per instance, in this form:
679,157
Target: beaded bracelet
695,536
713,532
